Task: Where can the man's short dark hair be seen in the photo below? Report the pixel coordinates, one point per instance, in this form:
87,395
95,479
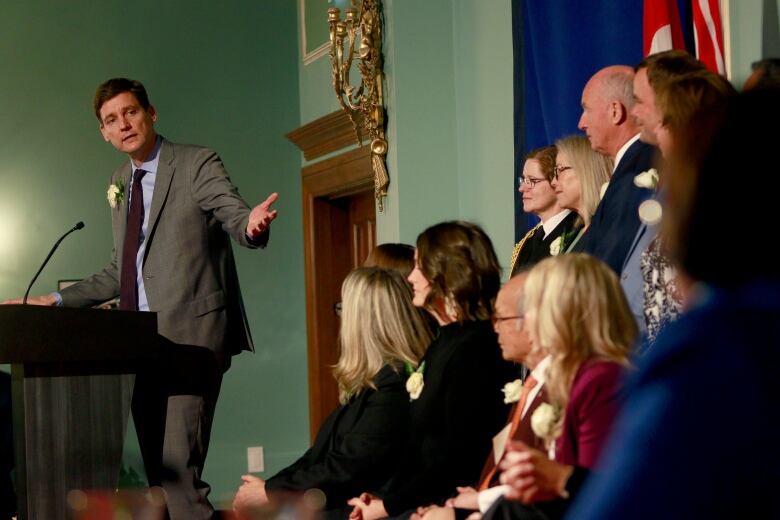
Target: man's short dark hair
115,86
667,65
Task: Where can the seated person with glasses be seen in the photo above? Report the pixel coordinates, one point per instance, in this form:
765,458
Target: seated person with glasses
578,179
539,198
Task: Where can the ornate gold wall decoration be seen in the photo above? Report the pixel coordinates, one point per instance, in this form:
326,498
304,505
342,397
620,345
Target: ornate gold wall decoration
363,103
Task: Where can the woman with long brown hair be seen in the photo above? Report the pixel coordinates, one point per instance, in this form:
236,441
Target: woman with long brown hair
457,404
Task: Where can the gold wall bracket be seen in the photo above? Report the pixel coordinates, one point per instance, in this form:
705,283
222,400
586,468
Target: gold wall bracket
364,103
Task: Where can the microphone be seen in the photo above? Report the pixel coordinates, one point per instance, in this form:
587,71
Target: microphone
79,225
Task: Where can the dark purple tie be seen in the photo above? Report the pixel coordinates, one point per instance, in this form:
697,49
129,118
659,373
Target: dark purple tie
128,288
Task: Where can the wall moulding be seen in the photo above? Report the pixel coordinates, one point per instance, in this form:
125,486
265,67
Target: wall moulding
322,136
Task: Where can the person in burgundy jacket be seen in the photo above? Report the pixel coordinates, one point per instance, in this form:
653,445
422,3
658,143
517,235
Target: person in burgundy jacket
567,297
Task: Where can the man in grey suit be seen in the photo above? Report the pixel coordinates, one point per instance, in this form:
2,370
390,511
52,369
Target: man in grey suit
173,212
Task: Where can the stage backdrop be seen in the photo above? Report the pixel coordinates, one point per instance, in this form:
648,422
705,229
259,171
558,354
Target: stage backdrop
558,45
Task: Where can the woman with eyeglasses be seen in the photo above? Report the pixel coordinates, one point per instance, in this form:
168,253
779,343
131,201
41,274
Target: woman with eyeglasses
579,176
539,198
359,444
457,404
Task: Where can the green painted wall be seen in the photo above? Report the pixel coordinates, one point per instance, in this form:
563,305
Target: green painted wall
754,35
448,68
223,74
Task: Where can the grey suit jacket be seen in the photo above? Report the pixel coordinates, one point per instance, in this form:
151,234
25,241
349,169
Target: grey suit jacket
189,272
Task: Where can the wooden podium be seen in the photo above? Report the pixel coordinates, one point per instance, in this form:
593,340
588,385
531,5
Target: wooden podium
72,381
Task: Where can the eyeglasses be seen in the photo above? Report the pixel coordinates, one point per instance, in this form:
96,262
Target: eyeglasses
499,319
529,181
558,170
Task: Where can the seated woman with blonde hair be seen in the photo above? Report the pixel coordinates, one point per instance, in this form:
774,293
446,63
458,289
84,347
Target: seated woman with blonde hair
359,444
576,311
579,176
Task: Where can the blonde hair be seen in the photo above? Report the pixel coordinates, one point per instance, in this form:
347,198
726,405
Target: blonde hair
592,169
379,326
581,314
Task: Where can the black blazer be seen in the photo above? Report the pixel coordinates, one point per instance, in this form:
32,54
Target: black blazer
460,409
537,248
615,223
358,446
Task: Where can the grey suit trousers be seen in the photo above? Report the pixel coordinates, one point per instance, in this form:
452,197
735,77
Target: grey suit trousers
173,408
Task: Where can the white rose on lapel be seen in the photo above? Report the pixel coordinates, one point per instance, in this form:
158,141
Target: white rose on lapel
512,391
648,179
116,194
415,383
603,189
555,247
543,421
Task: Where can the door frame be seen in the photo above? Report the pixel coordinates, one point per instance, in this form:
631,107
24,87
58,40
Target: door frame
343,175
338,177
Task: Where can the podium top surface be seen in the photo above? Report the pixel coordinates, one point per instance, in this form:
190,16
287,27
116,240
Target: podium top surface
37,334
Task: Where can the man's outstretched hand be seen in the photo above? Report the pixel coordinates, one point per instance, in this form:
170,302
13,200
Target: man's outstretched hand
261,217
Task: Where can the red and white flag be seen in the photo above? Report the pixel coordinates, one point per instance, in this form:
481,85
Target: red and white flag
708,34
661,26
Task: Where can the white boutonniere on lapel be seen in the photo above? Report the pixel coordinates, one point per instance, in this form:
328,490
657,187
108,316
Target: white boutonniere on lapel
604,187
545,423
415,382
650,212
512,391
116,194
647,179
556,246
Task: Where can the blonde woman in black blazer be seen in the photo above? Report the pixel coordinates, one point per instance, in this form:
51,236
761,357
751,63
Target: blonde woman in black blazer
360,443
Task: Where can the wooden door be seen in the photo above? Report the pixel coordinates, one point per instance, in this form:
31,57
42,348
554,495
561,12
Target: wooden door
339,232
345,236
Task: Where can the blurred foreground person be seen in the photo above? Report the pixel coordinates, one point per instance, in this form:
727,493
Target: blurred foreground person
682,448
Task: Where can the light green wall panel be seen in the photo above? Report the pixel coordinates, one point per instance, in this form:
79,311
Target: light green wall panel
754,28
220,74
484,103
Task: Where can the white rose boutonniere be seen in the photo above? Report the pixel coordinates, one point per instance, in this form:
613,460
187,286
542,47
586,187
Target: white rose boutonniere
116,194
512,391
415,383
555,247
603,189
647,179
544,421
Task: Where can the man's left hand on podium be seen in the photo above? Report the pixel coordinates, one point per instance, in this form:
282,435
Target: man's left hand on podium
48,300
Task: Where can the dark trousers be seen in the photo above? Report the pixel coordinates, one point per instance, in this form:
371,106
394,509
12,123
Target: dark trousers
173,408
7,495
